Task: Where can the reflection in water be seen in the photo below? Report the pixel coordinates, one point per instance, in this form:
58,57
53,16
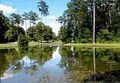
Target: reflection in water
111,59
65,64
94,62
88,64
77,63
24,66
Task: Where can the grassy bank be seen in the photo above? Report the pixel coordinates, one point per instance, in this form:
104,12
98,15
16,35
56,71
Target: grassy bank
8,45
31,44
93,45
14,45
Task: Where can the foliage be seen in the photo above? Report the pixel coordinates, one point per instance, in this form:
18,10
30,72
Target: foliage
33,17
43,8
78,20
9,34
76,23
9,27
104,36
16,19
23,42
12,34
64,35
4,26
40,32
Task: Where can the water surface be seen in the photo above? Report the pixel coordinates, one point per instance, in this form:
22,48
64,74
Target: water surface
60,64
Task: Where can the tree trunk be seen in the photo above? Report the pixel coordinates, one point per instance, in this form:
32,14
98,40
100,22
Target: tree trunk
94,22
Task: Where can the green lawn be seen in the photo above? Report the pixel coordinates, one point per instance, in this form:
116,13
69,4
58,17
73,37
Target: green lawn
94,45
8,45
14,45
31,44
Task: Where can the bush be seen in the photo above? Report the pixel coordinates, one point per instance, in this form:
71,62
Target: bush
23,42
104,36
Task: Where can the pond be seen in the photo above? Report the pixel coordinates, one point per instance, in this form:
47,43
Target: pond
60,64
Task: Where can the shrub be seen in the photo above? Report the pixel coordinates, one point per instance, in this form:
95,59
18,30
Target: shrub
23,42
104,36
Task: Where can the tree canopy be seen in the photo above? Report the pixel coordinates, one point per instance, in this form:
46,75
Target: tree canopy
40,32
77,21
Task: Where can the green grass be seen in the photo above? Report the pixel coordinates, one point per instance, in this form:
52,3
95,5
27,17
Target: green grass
8,45
31,44
94,45
57,42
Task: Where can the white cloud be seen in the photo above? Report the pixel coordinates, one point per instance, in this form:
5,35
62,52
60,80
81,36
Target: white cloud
7,9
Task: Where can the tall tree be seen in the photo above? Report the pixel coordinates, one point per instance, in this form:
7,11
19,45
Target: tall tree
4,26
16,19
33,17
77,19
25,18
43,8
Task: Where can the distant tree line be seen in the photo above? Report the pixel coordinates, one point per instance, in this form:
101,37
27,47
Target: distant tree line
10,27
77,21
40,33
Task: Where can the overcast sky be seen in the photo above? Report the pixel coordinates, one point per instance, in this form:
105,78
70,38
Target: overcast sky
56,9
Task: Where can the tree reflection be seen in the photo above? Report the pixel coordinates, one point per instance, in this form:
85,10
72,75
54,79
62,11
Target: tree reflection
110,71
7,57
3,61
36,56
85,64
15,60
41,54
79,64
